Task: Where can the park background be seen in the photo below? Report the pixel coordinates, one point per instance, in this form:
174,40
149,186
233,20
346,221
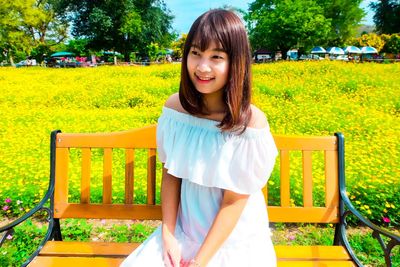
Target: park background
301,98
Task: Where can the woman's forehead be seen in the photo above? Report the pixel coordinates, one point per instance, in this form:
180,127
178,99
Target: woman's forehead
211,45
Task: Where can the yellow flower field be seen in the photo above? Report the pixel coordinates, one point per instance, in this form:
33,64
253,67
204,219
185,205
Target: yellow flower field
303,98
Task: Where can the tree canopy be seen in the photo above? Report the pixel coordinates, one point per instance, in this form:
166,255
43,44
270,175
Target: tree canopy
121,25
281,25
26,25
285,24
387,16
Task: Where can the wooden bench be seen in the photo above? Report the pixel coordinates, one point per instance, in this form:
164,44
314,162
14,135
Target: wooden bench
55,252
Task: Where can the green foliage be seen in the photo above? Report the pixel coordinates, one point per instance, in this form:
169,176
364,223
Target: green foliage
392,44
22,243
153,49
29,24
179,45
123,26
78,47
345,17
386,16
281,25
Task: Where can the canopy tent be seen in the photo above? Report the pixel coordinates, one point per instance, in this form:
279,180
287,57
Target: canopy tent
368,50
318,50
109,53
62,54
335,51
352,50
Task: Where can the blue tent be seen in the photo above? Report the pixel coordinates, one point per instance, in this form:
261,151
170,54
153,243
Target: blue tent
335,51
318,50
352,50
62,54
369,50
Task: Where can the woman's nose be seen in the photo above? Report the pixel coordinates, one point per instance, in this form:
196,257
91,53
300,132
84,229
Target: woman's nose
203,66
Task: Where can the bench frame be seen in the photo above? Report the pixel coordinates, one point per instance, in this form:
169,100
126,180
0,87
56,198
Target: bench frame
345,209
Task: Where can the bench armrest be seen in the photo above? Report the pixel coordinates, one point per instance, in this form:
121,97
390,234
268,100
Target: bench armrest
346,208
377,232
9,228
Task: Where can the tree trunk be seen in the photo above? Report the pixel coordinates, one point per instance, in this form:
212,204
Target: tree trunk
11,58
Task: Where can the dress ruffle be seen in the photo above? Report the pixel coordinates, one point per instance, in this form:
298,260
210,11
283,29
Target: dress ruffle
196,149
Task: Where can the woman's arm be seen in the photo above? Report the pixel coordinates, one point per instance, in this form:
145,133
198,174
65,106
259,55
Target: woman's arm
231,208
170,196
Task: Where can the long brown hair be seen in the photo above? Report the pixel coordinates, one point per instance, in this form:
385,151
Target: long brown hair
225,28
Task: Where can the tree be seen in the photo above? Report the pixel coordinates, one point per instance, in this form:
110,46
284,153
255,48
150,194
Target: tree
26,25
179,45
121,25
392,43
371,39
282,25
387,16
345,16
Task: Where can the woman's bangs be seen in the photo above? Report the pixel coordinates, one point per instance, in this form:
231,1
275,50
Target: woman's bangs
206,35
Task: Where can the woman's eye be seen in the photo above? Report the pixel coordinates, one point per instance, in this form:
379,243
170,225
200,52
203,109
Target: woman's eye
218,57
194,52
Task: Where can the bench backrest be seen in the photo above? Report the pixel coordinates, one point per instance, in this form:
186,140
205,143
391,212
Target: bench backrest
145,138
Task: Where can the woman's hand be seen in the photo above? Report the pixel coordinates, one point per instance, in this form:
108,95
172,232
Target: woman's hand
171,250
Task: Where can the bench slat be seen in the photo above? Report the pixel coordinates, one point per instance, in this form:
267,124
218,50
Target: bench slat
331,180
74,248
311,253
315,264
61,181
285,178
305,142
153,212
75,262
85,177
107,176
303,214
108,211
137,138
151,177
307,179
129,176
294,253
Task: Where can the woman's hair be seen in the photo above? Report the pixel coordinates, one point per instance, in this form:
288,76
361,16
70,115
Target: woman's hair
225,29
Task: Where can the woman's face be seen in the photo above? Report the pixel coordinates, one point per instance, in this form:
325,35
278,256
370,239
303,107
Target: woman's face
208,70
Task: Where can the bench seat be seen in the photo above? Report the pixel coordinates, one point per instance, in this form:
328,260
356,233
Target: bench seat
71,253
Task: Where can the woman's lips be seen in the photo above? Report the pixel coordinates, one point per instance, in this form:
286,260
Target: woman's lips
204,79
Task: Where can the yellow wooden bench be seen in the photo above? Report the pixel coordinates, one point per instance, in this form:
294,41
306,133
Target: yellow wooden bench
55,252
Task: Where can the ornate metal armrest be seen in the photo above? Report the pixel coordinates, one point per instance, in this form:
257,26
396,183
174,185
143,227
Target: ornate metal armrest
377,232
346,209
9,228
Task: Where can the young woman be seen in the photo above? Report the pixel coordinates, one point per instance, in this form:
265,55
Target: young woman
217,154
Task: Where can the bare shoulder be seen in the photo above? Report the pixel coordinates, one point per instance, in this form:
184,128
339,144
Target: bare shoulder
258,119
174,103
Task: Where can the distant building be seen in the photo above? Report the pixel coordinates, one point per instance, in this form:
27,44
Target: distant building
263,55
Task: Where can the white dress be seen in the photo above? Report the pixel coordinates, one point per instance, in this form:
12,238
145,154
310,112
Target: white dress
209,161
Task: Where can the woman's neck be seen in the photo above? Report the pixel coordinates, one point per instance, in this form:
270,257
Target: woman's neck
214,103
215,106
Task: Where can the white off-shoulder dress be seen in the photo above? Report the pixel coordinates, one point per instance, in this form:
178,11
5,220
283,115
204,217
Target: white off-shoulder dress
210,161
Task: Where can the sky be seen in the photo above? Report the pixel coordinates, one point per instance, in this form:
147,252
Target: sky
187,11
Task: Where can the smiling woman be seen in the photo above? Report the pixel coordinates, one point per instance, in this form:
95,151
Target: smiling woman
217,154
